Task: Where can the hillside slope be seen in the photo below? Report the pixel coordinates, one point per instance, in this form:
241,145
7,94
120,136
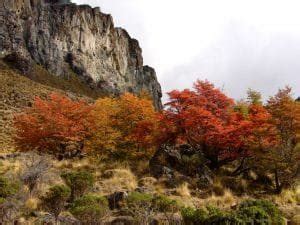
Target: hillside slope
18,91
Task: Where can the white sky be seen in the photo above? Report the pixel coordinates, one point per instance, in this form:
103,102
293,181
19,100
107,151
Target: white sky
237,44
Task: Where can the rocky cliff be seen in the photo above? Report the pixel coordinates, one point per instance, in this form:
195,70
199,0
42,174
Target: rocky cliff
67,37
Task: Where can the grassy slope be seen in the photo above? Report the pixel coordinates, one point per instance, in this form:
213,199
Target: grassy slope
17,91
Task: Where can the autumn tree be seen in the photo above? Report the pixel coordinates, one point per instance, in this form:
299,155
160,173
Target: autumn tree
205,119
263,135
124,126
273,137
52,125
283,160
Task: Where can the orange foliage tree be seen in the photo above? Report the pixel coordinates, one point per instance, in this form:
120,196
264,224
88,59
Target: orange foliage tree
124,127
51,125
283,160
273,140
263,135
205,118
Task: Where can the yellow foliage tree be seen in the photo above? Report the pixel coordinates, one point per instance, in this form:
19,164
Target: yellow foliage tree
105,135
124,127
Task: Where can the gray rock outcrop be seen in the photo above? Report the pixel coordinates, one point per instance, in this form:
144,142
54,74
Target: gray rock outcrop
64,37
180,164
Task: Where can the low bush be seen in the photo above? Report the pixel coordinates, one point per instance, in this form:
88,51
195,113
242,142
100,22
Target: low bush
253,215
79,182
139,199
90,209
164,204
55,199
8,188
249,212
194,216
2,200
260,210
159,203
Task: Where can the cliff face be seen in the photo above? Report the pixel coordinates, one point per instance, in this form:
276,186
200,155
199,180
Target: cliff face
64,37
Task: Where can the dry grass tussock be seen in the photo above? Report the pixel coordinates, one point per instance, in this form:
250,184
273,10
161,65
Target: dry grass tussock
32,203
288,197
10,167
227,200
183,190
74,164
121,179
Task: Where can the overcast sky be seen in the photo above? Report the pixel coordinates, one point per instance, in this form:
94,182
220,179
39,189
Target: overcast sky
237,44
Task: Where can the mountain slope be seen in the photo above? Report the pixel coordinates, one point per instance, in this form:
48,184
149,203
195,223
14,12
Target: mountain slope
18,91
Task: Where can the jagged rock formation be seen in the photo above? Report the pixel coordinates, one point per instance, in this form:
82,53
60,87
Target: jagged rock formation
66,38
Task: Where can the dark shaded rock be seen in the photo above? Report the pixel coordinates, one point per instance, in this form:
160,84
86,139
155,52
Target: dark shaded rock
19,62
169,161
69,150
121,220
116,200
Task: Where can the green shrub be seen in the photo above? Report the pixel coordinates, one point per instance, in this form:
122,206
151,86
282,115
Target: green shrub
90,208
256,212
162,203
259,210
8,188
194,216
219,217
2,200
159,203
55,199
79,182
253,214
139,199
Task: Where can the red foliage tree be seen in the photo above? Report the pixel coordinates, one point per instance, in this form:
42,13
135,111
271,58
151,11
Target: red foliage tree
205,119
263,134
51,124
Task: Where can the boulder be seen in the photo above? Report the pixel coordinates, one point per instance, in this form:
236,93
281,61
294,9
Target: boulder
169,161
120,220
116,199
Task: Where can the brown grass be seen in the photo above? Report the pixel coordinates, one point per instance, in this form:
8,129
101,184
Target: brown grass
288,197
183,190
227,200
121,179
32,203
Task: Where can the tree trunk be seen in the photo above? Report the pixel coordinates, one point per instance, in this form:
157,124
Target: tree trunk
278,187
238,170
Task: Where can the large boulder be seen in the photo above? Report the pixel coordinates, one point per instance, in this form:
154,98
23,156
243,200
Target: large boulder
185,160
116,200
